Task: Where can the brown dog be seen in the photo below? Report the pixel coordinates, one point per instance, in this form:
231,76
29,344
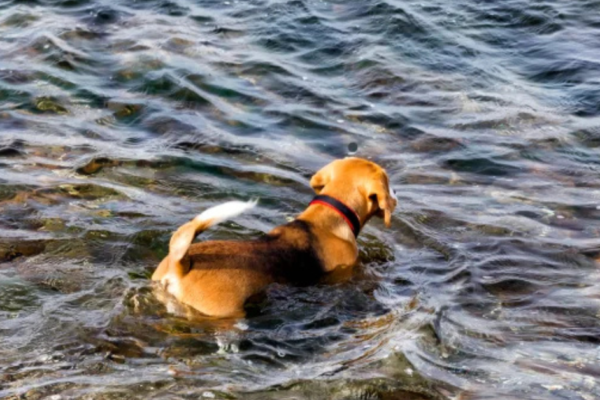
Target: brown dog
217,277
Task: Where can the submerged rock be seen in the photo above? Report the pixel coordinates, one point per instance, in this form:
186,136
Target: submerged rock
374,250
96,164
88,191
368,389
49,105
124,110
14,249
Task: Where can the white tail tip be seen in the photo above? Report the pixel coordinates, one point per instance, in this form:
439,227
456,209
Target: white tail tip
184,235
225,211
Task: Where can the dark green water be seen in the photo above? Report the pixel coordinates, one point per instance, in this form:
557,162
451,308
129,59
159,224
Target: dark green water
120,120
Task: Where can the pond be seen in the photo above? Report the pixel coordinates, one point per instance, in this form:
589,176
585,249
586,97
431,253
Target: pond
120,120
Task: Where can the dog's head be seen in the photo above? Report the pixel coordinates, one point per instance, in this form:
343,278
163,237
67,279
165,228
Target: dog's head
360,184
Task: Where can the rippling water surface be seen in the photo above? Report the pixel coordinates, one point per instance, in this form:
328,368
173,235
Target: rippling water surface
119,120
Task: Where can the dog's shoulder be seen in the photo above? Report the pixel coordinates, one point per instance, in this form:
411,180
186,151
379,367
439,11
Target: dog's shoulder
295,253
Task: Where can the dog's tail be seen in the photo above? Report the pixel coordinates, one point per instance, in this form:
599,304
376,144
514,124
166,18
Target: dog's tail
183,237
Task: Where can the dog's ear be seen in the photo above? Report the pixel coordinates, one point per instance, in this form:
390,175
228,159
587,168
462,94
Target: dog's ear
383,198
321,178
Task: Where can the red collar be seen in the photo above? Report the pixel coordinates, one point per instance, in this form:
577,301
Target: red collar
348,214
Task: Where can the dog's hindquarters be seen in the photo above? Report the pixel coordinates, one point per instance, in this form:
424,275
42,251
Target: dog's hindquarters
171,269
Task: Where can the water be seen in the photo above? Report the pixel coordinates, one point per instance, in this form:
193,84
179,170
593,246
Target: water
120,120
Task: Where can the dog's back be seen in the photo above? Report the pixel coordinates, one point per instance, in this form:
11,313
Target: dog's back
286,255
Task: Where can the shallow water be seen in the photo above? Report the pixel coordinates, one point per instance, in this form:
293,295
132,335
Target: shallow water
120,120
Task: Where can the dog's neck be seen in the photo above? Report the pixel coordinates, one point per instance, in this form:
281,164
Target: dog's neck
348,214
325,219
333,219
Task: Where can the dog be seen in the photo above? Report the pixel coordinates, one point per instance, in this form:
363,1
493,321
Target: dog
217,277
